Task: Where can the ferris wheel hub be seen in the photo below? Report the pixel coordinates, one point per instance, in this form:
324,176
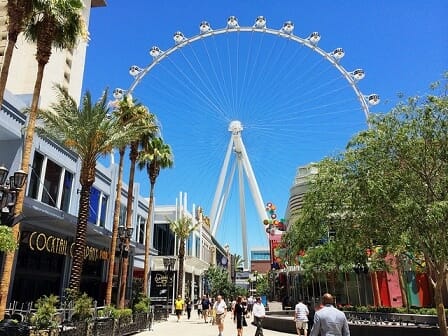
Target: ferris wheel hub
235,126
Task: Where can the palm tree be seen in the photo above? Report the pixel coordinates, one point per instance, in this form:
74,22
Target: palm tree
19,12
127,113
90,132
182,228
155,155
55,24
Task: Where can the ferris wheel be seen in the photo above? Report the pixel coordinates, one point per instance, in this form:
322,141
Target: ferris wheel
286,92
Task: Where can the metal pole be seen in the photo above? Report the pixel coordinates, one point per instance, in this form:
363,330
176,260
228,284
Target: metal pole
120,266
167,292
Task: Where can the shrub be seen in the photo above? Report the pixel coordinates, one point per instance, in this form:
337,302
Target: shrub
82,309
46,313
142,306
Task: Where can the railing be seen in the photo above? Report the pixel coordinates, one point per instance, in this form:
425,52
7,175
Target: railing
97,326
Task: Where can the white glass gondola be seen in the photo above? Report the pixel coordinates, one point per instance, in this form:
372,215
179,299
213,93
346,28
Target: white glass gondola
204,27
118,93
134,70
314,37
373,99
155,52
358,74
178,37
260,22
288,27
338,53
232,22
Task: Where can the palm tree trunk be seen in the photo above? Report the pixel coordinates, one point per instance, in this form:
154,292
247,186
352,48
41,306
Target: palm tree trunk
12,39
81,230
180,276
26,154
148,239
113,241
124,275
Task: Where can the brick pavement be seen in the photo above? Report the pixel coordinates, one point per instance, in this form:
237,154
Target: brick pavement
197,327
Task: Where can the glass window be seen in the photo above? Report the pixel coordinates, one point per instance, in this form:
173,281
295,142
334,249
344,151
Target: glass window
163,239
141,229
122,219
66,191
103,210
94,204
35,174
189,245
52,179
198,247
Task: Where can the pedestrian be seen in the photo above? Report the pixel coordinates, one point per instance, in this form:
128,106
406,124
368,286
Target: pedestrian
199,307
301,313
220,308
188,306
250,304
239,316
179,305
205,304
328,320
259,313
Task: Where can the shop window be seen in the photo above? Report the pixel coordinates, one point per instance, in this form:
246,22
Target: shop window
66,191
51,183
141,229
94,205
197,247
35,174
103,210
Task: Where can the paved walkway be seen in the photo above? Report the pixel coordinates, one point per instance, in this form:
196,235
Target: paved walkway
197,327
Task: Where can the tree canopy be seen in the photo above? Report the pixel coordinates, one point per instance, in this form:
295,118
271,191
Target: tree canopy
387,192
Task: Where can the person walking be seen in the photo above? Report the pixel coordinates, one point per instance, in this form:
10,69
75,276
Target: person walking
179,305
205,304
188,307
259,313
199,307
250,304
301,313
239,316
220,308
328,320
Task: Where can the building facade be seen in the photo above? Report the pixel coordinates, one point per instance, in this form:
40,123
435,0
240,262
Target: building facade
65,67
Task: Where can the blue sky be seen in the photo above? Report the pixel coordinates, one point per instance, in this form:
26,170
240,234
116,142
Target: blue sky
295,107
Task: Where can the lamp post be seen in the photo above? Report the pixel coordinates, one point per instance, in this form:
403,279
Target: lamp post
168,263
8,195
124,234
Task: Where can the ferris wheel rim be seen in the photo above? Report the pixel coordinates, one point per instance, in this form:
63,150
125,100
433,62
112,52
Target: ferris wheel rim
286,31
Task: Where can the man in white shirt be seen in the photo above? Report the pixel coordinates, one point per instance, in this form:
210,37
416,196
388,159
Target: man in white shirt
301,318
259,314
220,308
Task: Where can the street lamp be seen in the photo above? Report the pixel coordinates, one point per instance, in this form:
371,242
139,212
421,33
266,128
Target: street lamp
124,234
8,195
168,263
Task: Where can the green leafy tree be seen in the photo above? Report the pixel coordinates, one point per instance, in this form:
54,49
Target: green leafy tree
218,280
182,228
8,242
263,285
389,189
154,156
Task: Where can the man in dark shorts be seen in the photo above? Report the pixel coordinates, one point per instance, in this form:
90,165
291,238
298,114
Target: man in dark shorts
205,304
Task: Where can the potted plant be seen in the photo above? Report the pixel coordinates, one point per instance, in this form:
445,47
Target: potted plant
45,320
